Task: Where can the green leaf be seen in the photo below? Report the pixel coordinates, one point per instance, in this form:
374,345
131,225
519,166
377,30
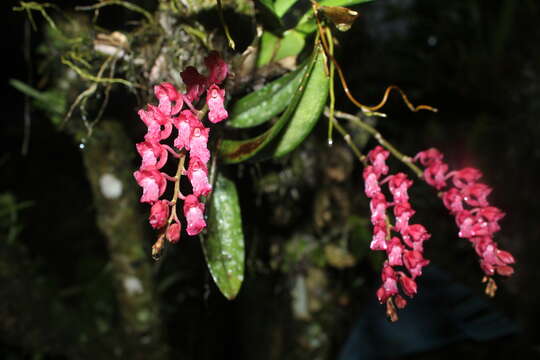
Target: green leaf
281,6
265,103
52,102
268,15
274,48
224,246
308,110
235,151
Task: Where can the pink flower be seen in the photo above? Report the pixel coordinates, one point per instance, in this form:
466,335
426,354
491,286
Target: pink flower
194,213
399,185
453,200
217,68
198,144
476,194
198,176
166,94
465,176
159,214
429,157
173,232
417,233
414,262
435,175
183,124
371,183
408,285
150,152
403,212
378,241
153,184
214,98
378,209
395,252
378,157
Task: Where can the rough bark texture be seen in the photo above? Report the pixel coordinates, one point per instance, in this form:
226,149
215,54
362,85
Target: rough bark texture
108,160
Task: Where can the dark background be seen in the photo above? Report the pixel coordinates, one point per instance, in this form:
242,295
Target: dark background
476,61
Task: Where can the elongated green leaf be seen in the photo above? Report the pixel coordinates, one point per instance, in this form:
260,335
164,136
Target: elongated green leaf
275,48
308,110
224,246
235,151
268,15
281,6
265,103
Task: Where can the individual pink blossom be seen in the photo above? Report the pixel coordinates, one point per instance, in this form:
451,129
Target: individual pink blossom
159,214
194,213
453,200
198,144
215,98
407,284
150,153
378,206
414,262
153,183
399,185
476,194
183,125
403,212
429,157
166,94
435,175
395,252
378,157
415,233
198,176
371,183
378,241
465,176
173,232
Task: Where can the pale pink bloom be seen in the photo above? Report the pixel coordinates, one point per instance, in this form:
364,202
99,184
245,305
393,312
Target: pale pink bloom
198,176
378,241
159,214
150,153
399,185
215,98
183,124
198,144
378,157
173,232
194,213
403,212
371,183
166,94
395,252
378,206
414,262
153,184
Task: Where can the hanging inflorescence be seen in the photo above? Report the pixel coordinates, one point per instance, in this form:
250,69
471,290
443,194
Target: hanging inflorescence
191,142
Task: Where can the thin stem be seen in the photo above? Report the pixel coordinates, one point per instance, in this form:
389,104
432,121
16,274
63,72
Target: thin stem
179,171
331,119
377,135
347,139
125,4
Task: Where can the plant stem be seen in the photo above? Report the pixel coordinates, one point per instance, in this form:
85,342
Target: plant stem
377,135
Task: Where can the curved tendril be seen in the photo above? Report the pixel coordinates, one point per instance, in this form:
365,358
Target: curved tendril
329,55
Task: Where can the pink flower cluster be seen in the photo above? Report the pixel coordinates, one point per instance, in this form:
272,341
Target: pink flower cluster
405,251
466,199
191,138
